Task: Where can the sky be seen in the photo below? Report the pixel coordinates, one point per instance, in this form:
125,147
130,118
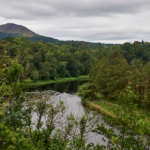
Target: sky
107,21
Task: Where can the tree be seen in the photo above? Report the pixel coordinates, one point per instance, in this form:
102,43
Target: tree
111,75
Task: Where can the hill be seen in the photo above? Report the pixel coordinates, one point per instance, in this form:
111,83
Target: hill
13,30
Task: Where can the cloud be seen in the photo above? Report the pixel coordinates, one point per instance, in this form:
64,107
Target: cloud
91,20
35,9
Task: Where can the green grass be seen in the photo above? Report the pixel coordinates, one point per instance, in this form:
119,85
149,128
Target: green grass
135,118
100,109
59,80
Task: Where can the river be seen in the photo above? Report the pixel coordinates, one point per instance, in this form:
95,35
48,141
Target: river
67,93
73,105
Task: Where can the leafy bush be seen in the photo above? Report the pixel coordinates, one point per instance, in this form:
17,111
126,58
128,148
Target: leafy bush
87,90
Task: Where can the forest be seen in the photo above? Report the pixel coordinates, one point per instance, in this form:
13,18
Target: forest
43,61
118,87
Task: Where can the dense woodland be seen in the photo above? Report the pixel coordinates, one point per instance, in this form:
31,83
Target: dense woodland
118,73
43,61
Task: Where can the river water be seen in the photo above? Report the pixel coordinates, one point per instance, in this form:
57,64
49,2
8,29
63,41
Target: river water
73,105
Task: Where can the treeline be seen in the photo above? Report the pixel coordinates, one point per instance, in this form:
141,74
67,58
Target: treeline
123,75
43,61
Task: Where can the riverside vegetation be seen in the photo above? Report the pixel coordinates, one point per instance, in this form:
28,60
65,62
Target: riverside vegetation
118,87
120,90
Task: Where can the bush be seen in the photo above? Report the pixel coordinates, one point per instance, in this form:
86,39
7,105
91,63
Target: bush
87,91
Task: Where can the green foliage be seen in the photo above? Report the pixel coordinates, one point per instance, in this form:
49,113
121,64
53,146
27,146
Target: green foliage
46,61
110,75
115,76
10,140
128,96
14,72
35,75
31,84
87,91
122,141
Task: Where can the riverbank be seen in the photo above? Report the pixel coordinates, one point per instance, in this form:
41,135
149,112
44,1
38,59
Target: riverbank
136,119
37,84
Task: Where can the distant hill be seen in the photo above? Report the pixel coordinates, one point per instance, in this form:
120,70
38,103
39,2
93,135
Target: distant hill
13,30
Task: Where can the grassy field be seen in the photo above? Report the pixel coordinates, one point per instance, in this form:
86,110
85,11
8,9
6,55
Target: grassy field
135,118
59,80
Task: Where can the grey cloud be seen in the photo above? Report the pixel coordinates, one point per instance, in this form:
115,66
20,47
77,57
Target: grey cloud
91,20
36,9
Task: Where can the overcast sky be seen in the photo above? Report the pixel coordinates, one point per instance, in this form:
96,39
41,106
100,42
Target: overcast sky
107,21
